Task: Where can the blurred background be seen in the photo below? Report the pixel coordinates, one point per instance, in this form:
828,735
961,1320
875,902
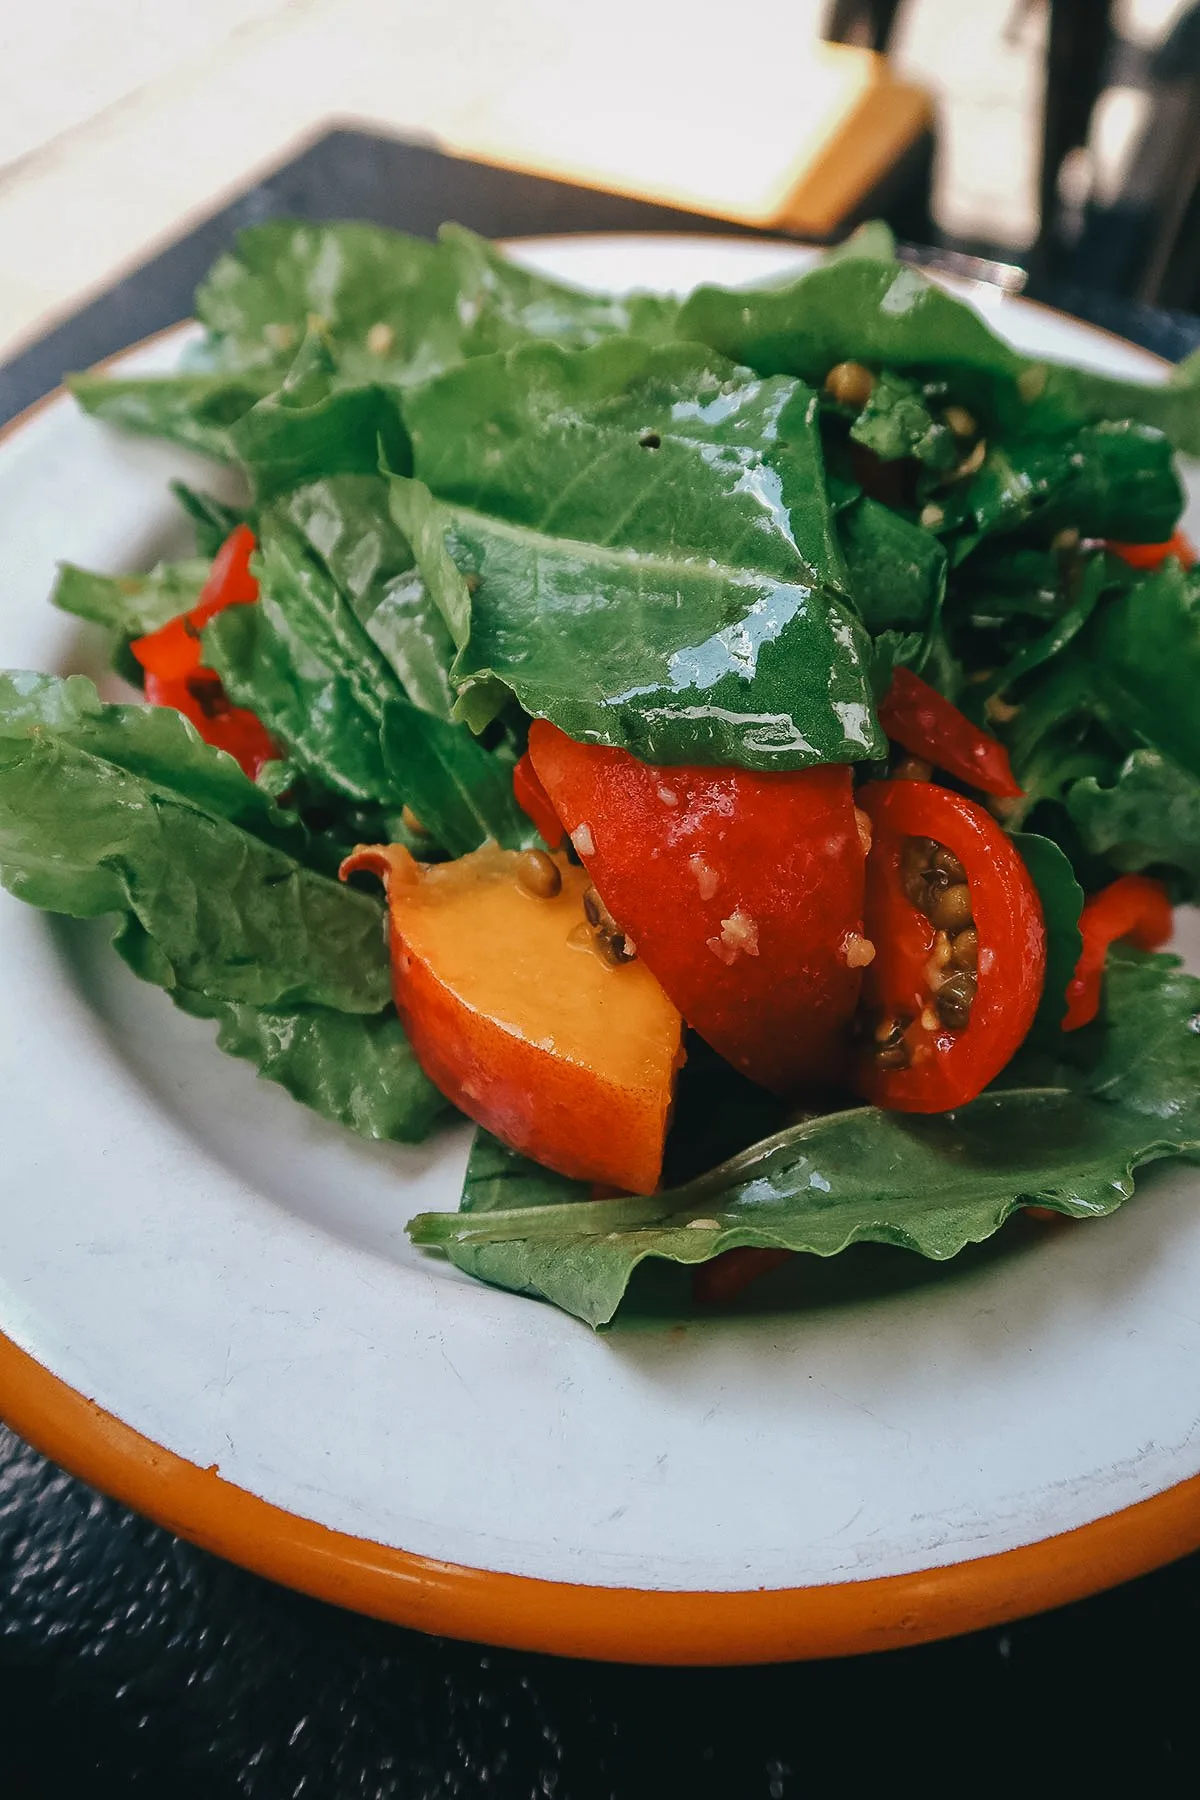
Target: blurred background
1056,135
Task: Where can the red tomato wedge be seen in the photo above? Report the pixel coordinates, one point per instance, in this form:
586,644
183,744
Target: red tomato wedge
742,893
175,675
1152,556
960,949
534,802
1132,907
926,724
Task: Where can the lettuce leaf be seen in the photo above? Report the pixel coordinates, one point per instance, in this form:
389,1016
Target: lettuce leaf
1124,1092
123,809
130,605
1146,817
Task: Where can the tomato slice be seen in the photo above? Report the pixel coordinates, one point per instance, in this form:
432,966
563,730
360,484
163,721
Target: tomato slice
960,949
535,803
1132,907
926,724
175,675
1152,556
742,892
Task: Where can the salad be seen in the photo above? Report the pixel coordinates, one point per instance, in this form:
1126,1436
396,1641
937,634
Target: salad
742,752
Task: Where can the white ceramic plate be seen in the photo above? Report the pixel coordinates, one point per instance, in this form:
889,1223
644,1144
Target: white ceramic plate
275,1371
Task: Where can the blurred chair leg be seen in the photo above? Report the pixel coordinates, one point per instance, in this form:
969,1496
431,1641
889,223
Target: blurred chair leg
1080,35
878,16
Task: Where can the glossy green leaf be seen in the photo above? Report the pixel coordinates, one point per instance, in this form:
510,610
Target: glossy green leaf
212,519
932,1185
461,793
347,522
302,661
1090,582
677,659
1114,480
124,809
666,449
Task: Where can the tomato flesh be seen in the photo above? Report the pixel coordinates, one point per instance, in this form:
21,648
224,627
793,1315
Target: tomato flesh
535,803
944,1067
176,676
741,891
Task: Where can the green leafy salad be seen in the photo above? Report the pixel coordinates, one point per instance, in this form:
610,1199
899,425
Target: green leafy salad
741,751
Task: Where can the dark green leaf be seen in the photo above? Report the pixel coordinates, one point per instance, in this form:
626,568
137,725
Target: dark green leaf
124,809
1091,581
677,659
1062,902
195,410
358,1071
212,519
1146,817
897,571
347,521
896,422
130,605
1113,480
1173,406
461,793
663,449
1146,663
302,661
498,1178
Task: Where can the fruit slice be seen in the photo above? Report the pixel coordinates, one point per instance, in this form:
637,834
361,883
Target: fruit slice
743,892
519,1018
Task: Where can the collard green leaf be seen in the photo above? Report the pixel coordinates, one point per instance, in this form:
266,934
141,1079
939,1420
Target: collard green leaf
124,809
212,519
357,1071
1146,817
193,409
1115,480
675,658
897,422
666,449
303,662
497,303
886,314
130,605
347,522
1062,902
934,1185
897,571
461,793
1146,662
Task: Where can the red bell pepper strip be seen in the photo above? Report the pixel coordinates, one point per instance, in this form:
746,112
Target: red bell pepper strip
176,676
536,803
728,1274
927,725
1132,907
1153,556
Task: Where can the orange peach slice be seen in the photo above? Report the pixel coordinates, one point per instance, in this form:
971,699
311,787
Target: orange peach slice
521,1023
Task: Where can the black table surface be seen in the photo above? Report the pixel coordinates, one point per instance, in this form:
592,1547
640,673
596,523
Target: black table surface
133,1663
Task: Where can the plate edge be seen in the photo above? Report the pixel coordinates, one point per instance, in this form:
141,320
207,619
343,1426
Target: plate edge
609,1624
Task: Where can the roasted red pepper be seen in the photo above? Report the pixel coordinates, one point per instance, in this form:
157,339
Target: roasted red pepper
960,949
927,725
176,676
536,804
1132,907
1152,556
742,893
